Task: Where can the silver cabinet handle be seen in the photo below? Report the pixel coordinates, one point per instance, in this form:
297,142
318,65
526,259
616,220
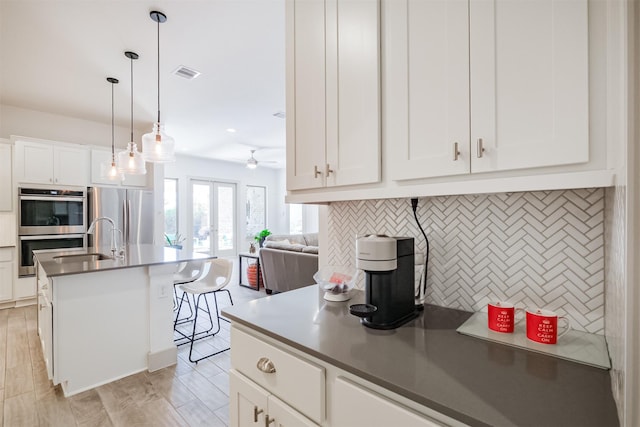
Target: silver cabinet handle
316,172
328,170
480,148
456,152
266,365
268,420
43,307
256,412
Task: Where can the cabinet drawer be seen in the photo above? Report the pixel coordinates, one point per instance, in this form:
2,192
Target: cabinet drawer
295,381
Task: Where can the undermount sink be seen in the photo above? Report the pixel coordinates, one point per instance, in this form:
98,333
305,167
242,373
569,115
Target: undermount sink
81,257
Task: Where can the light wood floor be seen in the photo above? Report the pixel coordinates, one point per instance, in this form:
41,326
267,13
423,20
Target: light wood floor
182,395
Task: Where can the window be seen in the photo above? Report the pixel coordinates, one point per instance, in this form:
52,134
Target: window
171,207
256,210
303,219
295,219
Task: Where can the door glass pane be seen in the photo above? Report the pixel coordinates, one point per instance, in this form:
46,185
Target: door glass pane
256,211
225,218
201,217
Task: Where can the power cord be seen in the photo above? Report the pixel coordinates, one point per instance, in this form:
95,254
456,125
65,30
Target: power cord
414,207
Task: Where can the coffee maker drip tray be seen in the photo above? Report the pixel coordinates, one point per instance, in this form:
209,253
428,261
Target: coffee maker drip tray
392,325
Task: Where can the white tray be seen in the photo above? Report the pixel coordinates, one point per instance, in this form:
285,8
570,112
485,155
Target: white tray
581,347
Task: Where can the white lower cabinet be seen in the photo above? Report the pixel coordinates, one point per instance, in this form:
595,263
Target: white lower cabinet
354,406
7,266
252,405
272,384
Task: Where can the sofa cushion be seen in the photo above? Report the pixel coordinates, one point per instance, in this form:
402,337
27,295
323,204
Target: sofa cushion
284,246
292,238
311,239
310,249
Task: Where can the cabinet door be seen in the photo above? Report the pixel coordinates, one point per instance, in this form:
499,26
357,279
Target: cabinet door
352,92
248,402
355,406
45,331
285,416
6,178
306,104
529,83
426,80
71,166
6,274
34,162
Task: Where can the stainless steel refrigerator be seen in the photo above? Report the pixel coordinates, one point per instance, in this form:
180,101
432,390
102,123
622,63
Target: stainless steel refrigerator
131,210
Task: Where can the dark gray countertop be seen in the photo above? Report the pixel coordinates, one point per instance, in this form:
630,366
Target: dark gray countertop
134,256
474,381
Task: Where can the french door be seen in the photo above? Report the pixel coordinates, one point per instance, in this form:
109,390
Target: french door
213,217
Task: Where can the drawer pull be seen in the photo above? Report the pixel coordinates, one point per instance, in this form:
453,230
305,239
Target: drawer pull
256,412
268,420
316,172
266,365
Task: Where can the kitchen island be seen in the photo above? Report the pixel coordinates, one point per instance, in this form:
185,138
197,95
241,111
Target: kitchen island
422,374
102,318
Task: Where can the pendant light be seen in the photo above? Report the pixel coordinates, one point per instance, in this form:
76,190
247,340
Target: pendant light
157,146
130,161
108,169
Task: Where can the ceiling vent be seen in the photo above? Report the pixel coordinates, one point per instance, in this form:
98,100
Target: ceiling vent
185,72
279,114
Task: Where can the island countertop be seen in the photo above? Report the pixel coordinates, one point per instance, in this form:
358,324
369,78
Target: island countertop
134,256
474,381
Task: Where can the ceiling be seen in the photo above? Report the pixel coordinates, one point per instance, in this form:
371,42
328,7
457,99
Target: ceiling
55,56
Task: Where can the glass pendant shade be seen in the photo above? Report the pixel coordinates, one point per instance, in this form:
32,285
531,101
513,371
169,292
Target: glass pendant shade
157,146
109,171
130,161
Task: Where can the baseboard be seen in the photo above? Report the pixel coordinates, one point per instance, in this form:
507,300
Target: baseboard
162,359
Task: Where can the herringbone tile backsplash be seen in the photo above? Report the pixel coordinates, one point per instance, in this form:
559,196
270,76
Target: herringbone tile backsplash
534,249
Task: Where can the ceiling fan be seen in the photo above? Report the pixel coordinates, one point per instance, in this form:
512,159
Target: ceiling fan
252,162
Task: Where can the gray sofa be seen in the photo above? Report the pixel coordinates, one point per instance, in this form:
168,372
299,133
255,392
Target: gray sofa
289,261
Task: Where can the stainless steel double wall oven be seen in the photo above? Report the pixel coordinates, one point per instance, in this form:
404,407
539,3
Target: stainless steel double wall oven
50,219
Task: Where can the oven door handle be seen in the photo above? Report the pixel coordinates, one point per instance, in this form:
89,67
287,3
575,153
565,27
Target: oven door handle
52,198
52,236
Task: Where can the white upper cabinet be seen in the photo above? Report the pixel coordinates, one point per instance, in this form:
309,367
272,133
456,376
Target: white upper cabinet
333,93
6,177
529,83
50,163
485,85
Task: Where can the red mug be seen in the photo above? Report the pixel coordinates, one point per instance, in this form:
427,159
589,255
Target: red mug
501,316
542,326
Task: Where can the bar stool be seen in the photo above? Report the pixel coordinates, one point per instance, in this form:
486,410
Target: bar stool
190,271
217,278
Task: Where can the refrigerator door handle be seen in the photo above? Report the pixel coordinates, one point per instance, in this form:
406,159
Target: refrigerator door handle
125,223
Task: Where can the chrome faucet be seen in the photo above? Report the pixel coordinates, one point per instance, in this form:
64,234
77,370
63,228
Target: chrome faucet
114,232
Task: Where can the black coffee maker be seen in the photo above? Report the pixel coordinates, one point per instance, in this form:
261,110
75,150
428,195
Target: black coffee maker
389,266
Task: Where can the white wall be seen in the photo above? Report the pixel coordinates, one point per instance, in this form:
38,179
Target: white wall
55,127
186,168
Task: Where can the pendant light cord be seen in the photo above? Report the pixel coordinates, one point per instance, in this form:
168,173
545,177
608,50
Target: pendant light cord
113,150
158,71
131,102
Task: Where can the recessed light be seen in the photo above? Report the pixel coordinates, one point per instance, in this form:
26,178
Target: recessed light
231,130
